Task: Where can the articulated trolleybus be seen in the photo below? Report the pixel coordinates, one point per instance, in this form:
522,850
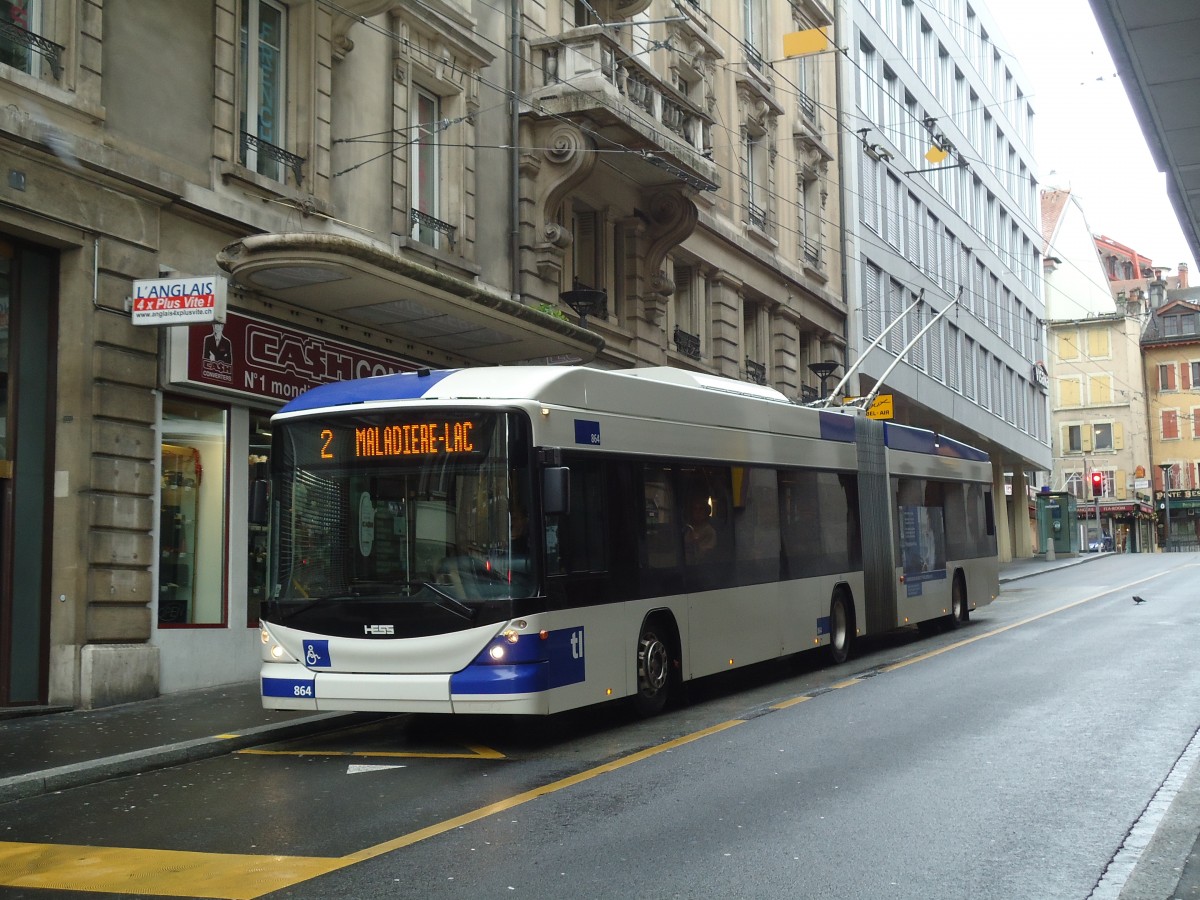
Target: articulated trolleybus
527,540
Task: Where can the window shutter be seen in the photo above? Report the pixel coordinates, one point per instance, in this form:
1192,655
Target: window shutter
1085,438
1170,424
1120,486
1118,434
1185,377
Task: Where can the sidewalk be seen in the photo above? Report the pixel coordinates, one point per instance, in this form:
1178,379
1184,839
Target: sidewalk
53,751
58,750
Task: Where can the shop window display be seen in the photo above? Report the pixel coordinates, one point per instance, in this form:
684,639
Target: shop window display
191,564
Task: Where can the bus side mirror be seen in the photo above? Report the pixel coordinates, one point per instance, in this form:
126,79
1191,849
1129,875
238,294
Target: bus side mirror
556,490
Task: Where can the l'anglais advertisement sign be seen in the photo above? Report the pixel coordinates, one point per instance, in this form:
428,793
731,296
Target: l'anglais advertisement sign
257,358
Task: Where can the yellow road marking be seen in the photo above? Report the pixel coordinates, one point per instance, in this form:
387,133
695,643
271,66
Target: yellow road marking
476,753
516,800
784,704
169,873
231,876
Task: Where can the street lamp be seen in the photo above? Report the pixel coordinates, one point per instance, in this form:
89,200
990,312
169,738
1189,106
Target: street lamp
1166,467
823,370
585,301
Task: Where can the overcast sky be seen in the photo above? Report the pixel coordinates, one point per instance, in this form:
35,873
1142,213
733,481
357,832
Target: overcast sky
1086,135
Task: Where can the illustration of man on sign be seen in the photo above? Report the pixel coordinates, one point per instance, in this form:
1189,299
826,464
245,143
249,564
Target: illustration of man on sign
217,347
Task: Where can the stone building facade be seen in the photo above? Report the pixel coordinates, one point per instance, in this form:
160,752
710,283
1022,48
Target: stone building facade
383,185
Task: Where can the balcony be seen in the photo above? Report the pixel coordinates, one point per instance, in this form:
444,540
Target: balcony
687,343
756,372
17,43
269,160
587,76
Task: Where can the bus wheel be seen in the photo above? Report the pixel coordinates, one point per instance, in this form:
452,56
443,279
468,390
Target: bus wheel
841,627
959,611
653,671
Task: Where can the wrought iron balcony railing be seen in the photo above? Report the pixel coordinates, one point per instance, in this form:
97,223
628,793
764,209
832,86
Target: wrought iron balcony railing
14,35
427,221
812,253
756,371
808,106
263,149
686,343
757,215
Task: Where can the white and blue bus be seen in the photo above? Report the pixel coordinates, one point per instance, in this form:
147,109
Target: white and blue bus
527,540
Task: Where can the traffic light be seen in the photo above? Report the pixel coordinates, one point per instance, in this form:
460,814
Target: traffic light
1097,484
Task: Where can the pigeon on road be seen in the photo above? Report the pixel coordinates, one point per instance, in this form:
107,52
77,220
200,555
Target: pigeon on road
1137,599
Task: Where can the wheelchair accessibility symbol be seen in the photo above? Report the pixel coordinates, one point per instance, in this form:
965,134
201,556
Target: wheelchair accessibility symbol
316,654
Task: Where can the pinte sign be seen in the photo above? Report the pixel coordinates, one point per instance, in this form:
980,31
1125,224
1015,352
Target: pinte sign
263,359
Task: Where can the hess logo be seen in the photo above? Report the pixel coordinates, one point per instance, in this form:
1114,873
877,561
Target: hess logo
379,629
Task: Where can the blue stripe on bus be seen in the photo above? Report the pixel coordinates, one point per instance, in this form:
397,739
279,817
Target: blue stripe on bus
950,447
837,427
289,687
530,665
916,440
823,625
400,386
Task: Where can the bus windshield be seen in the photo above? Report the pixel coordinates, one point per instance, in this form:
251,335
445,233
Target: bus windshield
407,522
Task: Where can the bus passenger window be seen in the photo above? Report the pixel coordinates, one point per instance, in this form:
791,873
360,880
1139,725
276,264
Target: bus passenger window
658,519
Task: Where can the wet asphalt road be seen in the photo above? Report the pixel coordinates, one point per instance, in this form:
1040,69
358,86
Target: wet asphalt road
1012,765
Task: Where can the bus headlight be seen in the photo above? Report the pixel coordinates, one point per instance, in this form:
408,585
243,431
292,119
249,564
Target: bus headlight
496,652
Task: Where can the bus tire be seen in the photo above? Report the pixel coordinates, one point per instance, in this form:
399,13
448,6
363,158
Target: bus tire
841,627
655,662
960,610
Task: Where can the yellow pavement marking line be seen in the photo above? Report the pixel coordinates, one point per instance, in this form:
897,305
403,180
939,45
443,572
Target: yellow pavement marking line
165,873
476,753
232,876
518,799
784,704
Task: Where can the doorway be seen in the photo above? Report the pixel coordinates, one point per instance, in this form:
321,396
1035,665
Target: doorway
28,308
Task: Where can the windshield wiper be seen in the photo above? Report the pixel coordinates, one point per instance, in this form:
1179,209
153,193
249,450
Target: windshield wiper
357,591
446,602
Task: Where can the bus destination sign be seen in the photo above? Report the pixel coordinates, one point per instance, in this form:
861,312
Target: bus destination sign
411,439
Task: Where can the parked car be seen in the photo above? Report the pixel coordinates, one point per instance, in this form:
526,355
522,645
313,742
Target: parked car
1102,544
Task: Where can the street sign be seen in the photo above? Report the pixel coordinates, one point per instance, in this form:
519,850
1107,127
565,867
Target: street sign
881,407
179,301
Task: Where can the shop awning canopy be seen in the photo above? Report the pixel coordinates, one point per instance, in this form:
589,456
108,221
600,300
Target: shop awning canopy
365,283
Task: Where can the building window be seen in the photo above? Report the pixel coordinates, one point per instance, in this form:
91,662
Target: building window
756,178
20,22
192,519
425,177
264,98
810,188
1166,377
686,312
1102,436
1073,484
754,21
